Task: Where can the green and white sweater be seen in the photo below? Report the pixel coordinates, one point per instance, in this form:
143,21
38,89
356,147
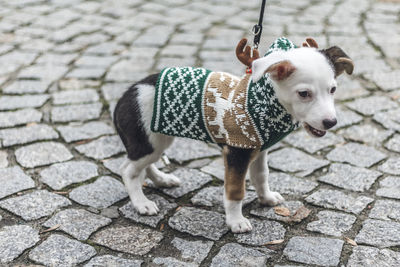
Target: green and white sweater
218,107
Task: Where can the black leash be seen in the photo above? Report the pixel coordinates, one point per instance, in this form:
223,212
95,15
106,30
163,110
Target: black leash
257,29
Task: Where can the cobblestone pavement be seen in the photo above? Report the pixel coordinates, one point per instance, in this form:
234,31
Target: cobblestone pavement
63,65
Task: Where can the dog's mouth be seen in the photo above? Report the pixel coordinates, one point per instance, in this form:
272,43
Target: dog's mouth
314,132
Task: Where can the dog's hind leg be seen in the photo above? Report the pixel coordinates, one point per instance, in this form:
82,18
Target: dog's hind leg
161,179
259,173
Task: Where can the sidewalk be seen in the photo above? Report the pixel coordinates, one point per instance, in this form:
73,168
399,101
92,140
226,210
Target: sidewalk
63,66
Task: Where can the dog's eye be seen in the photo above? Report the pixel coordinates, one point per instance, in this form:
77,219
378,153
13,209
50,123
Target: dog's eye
333,90
304,94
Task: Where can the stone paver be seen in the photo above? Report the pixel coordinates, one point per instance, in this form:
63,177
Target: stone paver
294,207
287,184
199,222
79,112
369,256
349,177
233,254
389,187
35,205
386,210
109,260
104,192
301,139
394,143
356,154
28,101
192,150
391,166
40,154
264,231
14,240
75,132
58,250
379,233
65,64
335,199
75,96
60,175
332,223
3,159
314,250
130,239
129,212
78,223
23,135
14,180
191,179
213,197
19,117
293,160
103,147
194,251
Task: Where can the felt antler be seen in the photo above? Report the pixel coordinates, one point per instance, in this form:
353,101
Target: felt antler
243,53
310,42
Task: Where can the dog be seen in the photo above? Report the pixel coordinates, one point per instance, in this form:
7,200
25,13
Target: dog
289,86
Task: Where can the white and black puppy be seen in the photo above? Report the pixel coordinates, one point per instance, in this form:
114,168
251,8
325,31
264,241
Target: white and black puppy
295,83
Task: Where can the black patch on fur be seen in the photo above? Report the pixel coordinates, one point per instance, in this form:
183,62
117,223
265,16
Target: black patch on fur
239,159
128,122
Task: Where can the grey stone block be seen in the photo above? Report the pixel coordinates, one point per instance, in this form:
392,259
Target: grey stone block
379,233
15,239
332,223
129,239
77,222
293,160
356,154
370,256
391,166
58,250
35,205
314,250
19,117
109,260
77,131
349,177
60,175
264,231
79,112
389,187
333,199
75,96
233,254
23,135
26,101
14,180
40,154
186,149
199,222
102,148
164,205
386,210
104,192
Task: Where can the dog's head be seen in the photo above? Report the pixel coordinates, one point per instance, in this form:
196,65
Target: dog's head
305,82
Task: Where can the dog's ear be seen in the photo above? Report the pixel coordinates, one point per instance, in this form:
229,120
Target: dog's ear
340,61
275,64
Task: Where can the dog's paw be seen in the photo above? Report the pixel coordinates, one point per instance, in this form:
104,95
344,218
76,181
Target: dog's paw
168,180
147,208
272,199
240,225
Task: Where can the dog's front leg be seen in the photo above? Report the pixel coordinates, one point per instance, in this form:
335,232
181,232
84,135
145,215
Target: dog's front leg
259,173
236,164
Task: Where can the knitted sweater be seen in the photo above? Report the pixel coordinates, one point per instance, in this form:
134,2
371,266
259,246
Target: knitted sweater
218,107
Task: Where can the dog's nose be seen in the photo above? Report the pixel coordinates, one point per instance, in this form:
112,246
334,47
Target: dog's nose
329,123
